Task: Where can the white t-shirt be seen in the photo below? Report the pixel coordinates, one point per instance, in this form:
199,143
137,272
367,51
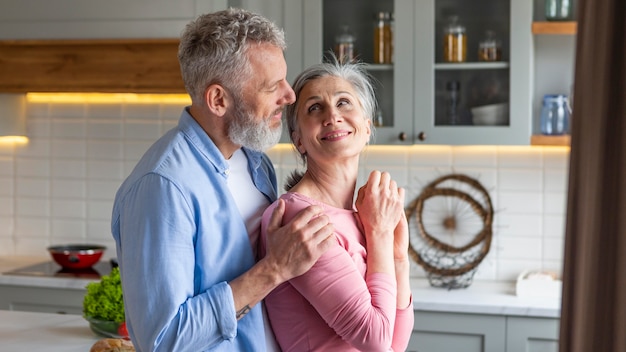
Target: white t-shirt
251,203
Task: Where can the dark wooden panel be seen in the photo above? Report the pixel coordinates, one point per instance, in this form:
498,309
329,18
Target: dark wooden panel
117,66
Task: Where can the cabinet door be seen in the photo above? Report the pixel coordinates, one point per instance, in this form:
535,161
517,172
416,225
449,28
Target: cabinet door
449,96
436,332
311,27
532,334
42,299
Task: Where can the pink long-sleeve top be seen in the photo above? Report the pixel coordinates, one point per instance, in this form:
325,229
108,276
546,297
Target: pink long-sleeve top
336,306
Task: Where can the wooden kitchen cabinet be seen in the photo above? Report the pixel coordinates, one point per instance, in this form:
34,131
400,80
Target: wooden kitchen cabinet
445,331
42,299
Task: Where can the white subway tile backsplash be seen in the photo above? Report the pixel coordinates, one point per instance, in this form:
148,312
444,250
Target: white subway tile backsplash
430,156
134,150
104,150
554,203
63,229
142,111
68,189
524,203
31,167
35,148
72,209
516,157
555,180
60,187
104,170
32,207
7,187
553,226
33,187
70,129
7,208
473,156
99,210
6,166
69,149
520,180
32,227
104,129
70,169
553,248
102,190
111,112
519,248
142,130
68,110
513,225
37,127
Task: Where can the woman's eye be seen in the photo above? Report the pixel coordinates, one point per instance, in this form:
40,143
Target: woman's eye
313,107
343,102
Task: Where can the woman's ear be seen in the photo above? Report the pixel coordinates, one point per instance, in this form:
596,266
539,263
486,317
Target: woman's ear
297,142
216,99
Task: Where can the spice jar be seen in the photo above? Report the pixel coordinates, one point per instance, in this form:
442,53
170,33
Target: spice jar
344,45
383,38
454,41
489,48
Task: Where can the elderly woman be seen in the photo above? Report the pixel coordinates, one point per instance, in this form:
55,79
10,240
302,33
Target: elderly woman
357,296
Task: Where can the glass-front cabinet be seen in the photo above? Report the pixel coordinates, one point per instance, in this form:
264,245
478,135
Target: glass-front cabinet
455,72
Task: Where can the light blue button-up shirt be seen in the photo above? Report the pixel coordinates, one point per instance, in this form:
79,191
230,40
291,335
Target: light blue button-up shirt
179,239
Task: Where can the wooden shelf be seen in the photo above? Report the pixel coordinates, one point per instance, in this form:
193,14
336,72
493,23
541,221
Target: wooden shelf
538,139
562,28
100,65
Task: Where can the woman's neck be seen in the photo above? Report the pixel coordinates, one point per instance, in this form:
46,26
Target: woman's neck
331,184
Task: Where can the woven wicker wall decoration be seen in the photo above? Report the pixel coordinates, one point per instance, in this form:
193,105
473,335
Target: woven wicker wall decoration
451,222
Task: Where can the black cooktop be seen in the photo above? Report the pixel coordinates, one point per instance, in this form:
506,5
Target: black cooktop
52,269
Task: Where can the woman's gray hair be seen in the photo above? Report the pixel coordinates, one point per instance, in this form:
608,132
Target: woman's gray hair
213,49
354,73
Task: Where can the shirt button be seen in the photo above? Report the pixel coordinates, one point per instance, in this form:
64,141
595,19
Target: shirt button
227,172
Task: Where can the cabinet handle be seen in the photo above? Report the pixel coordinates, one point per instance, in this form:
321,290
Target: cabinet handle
402,136
421,136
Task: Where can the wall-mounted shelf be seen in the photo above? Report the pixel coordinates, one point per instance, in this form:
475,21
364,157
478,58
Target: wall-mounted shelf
563,28
538,139
99,65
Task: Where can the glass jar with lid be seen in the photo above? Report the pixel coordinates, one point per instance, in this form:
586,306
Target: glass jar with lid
454,41
383,38
559,10
344,45
489,48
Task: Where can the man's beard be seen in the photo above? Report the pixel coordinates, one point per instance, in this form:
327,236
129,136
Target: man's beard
245,130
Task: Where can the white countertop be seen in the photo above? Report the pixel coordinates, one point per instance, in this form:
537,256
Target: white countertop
25,331
481,297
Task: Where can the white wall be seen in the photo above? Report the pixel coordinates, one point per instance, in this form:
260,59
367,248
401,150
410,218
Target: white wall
60,187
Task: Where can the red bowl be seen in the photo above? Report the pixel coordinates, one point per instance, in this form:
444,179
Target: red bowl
76,256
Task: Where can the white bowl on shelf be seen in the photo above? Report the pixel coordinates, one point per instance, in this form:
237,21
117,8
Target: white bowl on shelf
491,115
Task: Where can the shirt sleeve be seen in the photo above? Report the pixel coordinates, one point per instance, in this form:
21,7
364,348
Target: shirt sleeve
403,328
163,310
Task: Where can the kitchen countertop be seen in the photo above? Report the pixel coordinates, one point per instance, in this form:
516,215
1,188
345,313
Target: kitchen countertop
481,297
26,331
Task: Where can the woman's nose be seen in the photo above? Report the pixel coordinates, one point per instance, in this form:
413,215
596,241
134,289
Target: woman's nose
333,116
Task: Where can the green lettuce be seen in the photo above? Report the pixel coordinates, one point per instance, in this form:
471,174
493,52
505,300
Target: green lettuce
104,299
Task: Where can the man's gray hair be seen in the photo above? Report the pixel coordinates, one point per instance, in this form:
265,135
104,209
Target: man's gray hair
213,49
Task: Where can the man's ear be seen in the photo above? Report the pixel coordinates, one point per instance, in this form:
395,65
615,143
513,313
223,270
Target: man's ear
216,99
